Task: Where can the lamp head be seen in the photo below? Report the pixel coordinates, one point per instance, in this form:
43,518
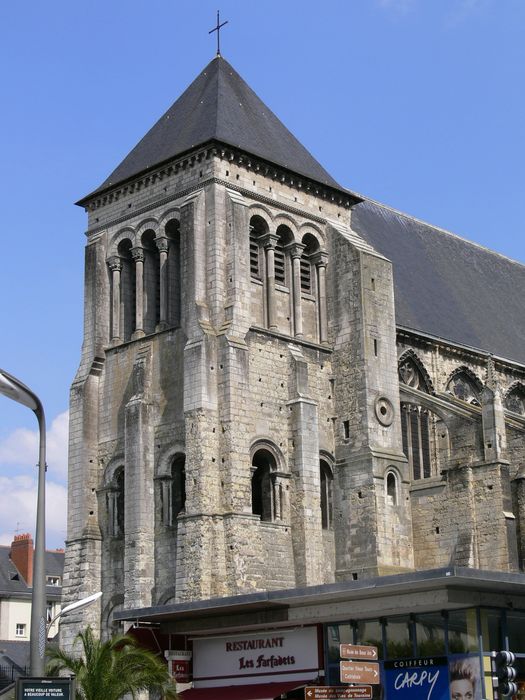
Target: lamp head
15,390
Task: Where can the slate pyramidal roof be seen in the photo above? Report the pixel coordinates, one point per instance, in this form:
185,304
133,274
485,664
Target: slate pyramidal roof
445,286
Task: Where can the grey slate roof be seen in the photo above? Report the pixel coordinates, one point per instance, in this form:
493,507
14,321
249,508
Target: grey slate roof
446,286
14,652
13,584
219,106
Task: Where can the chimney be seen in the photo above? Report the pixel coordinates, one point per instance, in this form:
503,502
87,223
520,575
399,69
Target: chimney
22,556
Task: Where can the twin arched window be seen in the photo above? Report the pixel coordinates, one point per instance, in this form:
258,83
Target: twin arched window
292,275
145,284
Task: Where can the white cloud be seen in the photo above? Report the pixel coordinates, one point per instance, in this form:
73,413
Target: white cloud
20,448
18,509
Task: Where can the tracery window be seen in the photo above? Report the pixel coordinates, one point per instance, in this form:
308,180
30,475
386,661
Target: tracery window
515,399
464,385
425,436
327,482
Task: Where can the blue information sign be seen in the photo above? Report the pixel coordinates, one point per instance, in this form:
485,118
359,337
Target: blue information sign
417,679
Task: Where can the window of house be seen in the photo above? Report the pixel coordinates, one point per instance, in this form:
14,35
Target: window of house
327,481
53,580
49,611
20,630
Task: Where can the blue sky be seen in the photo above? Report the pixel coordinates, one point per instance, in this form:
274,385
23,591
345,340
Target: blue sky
416,103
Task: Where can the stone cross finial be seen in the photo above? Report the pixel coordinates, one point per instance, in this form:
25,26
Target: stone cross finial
218,30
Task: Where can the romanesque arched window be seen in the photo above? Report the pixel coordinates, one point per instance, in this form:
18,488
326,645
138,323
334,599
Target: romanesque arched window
115,503
327,486
258,228
178,485
174,273
281,260
268,491
464,385
391,488
151,282
515,399
127,300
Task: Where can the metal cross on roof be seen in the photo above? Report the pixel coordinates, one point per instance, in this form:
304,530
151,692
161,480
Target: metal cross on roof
218,30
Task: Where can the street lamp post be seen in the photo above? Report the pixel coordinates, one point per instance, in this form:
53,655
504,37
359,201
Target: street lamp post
14,389
84,602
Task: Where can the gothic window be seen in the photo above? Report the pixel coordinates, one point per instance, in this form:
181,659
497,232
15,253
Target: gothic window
327,481
151,282
464,385
515,399
266,492
115,504
172,230
412,374
416,440
391,489
127,290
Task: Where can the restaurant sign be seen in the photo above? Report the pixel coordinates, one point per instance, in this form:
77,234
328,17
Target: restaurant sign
248,658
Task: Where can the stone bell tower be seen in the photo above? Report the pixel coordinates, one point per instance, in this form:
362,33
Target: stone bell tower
233,418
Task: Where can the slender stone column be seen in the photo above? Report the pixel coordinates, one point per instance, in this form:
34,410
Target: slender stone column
138,257
296,250
320,262
162,245
269,241
115,265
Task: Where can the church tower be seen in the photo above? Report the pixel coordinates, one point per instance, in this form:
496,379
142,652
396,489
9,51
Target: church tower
235,421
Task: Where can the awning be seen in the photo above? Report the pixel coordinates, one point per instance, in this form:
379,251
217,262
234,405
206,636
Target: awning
260,691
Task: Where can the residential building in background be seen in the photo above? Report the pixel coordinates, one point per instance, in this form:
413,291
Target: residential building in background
16,581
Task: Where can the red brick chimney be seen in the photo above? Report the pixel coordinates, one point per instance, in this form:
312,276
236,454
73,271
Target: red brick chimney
22,556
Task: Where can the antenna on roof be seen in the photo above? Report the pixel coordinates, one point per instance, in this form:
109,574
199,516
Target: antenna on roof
218,30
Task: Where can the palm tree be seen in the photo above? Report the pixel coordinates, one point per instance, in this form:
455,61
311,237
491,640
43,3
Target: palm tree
110,670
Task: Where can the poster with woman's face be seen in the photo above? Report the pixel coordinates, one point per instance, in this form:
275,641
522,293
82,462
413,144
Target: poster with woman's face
433,678
464,678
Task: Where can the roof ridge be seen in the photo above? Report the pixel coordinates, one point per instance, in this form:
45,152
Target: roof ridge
416,219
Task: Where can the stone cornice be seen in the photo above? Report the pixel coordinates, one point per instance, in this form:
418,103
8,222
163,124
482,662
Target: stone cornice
190,190
475,355
216,150
232,155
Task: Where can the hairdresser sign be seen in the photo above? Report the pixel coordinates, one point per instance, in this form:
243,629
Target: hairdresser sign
417,679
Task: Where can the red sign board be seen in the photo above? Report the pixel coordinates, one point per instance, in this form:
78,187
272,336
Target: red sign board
358,651
180,670
334,692
359,672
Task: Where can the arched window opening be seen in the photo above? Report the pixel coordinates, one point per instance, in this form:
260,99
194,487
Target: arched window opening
391,489
284,237
115,504
327,482
258,228
465,386
425,441
311,246
412,375
172,230
515,400
127,290
265,503
151,283
178,485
